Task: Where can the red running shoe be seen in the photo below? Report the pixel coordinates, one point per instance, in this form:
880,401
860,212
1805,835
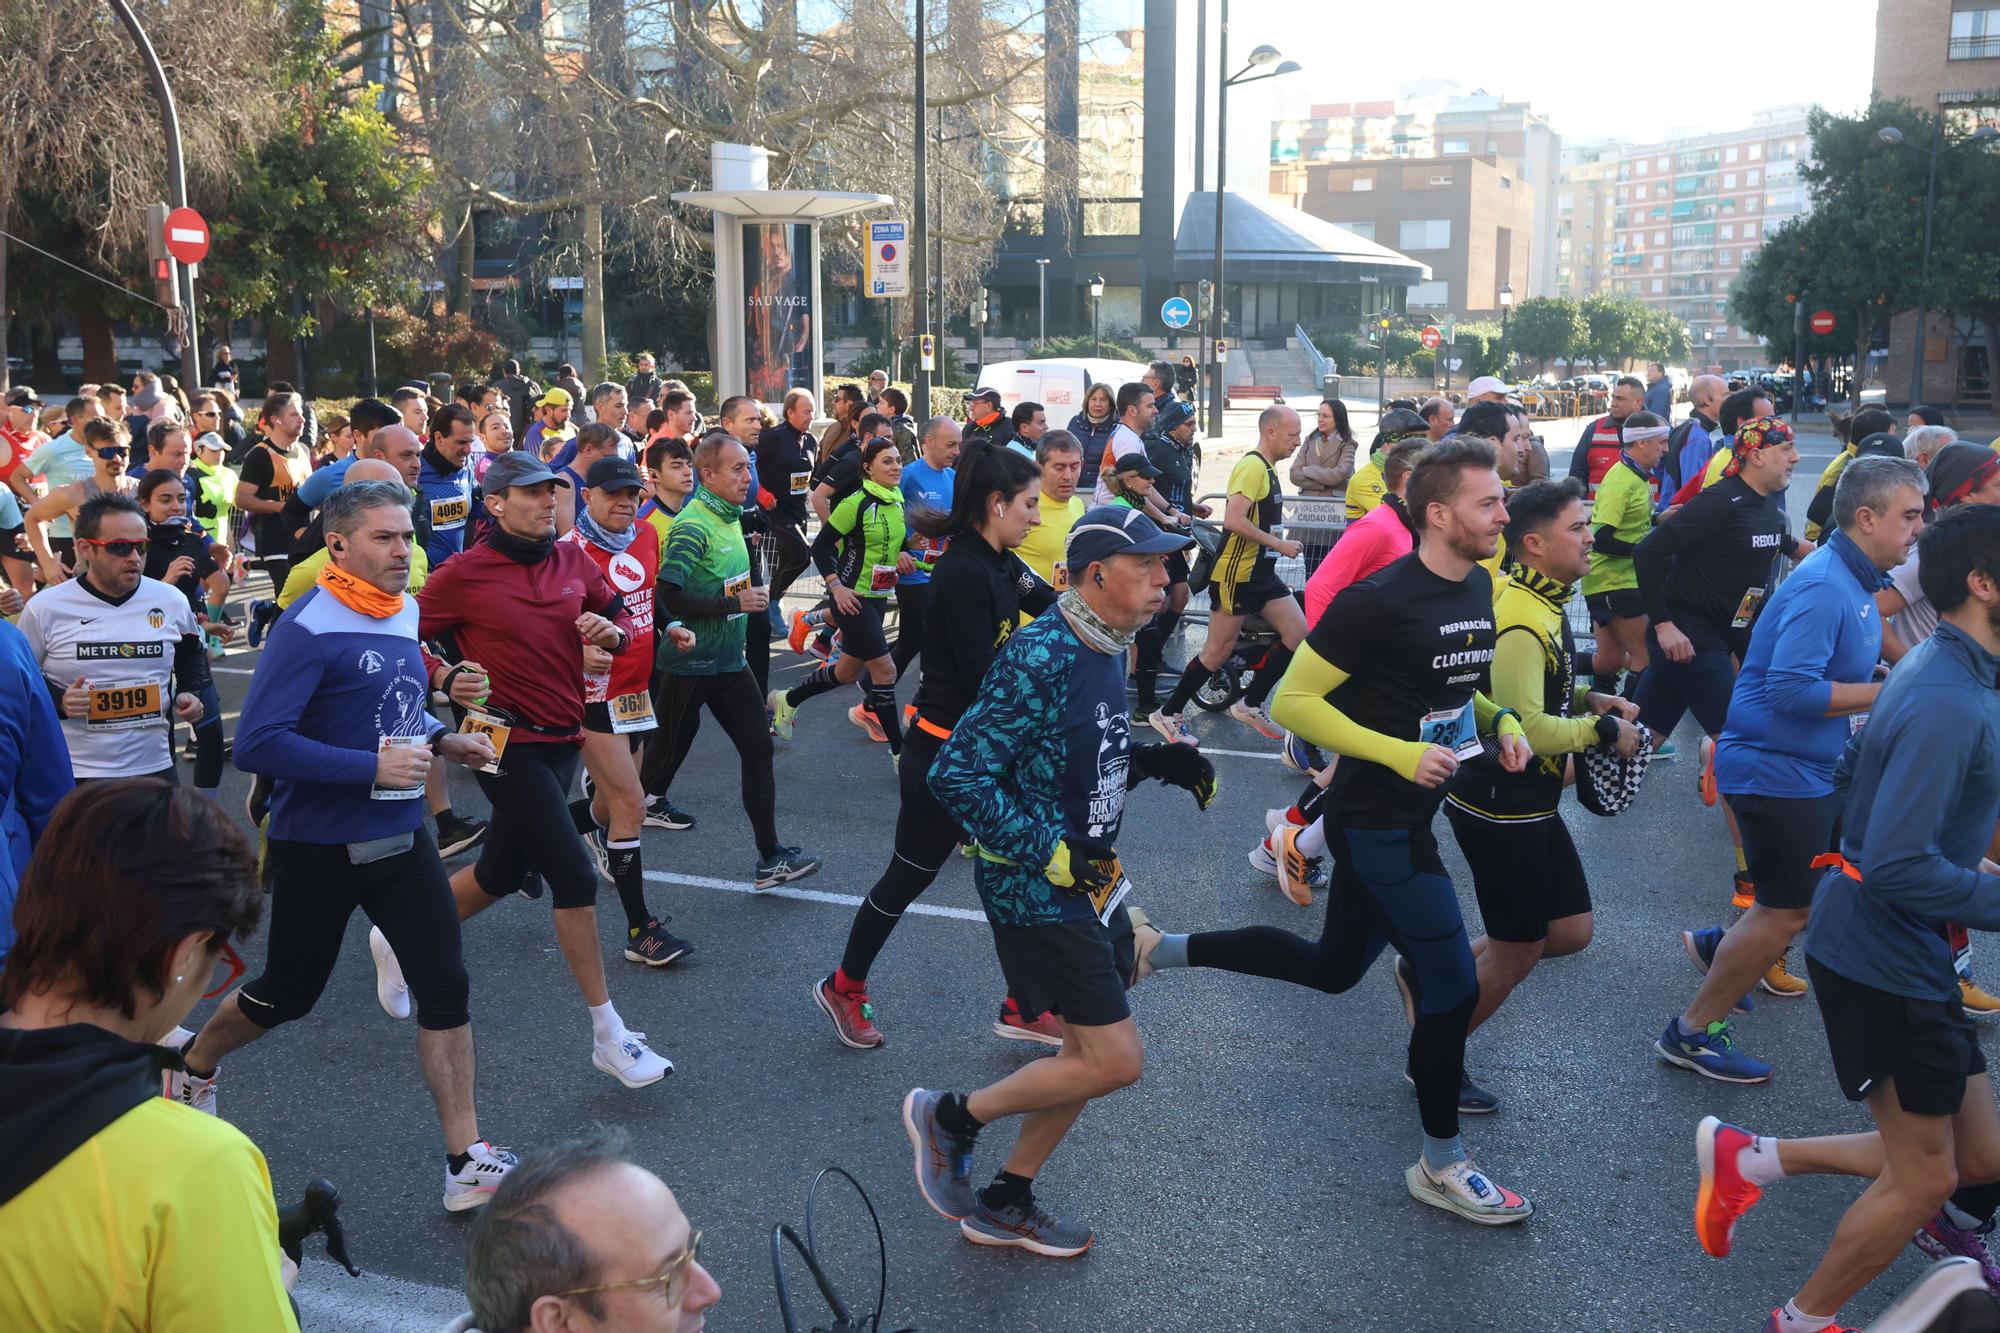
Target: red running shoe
853,1017
1725,1195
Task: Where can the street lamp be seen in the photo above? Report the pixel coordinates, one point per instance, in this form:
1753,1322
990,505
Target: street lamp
1259,58
1890,134
1042,266
1096,310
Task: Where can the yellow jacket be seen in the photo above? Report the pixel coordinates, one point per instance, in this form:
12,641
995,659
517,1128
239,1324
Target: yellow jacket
305,573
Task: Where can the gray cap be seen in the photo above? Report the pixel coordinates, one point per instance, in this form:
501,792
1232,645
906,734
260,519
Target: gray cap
518,468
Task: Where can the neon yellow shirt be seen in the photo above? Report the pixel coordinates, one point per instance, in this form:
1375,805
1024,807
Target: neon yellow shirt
305,573
1625,505
1365,488
1047,540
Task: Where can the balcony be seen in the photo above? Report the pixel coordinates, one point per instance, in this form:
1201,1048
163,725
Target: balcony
1974,48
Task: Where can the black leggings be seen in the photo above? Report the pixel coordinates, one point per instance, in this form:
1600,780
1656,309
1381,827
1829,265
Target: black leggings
530,829
1390,889
926,835
910,601
1152,644
793,555
739,706
314,890
757,625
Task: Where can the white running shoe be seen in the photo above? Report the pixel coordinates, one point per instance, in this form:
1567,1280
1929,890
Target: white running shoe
1257,720
1261,860
1172,726
1276,819
1464,1189
391,991
630,1060
471,1186
177,1085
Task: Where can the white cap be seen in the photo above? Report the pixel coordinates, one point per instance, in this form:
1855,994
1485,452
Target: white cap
1485,384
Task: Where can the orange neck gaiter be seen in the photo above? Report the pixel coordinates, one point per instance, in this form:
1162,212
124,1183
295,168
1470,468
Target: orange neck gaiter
366,598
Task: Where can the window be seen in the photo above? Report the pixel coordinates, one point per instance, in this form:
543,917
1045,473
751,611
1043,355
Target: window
1565,202
1726,257
1639,193
1362,184
1659,285
1659,263
1749,231
1659,238
1661,164
1365,230
1430,294
1756,152
1456,146
1430,234
1439,180
1975,34
1728,231
1728,180
1751,177
1729,155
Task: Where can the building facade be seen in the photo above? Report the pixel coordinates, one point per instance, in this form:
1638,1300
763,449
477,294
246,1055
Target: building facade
1586,207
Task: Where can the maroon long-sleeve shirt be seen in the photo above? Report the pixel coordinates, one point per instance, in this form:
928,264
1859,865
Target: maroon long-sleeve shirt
519,622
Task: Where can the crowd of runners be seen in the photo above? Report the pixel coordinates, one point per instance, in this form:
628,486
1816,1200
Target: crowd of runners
548,589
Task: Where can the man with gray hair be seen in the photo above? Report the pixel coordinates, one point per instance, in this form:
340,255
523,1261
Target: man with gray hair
1922,443
1810,667
583,1237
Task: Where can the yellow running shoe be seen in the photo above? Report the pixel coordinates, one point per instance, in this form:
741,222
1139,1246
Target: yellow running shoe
1780,982
1977,1002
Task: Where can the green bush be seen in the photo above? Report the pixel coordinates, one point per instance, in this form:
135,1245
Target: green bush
1114,346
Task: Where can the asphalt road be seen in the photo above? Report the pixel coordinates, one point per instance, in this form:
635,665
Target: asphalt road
1252,1179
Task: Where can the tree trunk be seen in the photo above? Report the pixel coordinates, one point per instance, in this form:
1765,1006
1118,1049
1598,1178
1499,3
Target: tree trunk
6,322
1864,325
100,353
468,258
1992,326
593,293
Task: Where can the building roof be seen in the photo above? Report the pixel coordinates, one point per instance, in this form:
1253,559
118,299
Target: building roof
1265,241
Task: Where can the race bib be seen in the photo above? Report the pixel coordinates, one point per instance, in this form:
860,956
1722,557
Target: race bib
632,712
1855,722
881,578
1455,729
381,793
450,513
1060,581
1746,610
801,482
121,705
1105,901
495,730
734,585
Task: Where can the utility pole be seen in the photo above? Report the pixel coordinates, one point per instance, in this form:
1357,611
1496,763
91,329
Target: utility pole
170,122
921,396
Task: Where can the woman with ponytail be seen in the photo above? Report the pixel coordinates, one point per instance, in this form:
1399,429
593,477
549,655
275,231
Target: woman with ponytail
979,588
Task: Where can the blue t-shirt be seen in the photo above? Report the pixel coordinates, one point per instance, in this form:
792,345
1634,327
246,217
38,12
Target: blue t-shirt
448,496
324,482
929,488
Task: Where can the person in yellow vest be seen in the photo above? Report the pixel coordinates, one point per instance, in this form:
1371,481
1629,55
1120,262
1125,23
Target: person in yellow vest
1365,489
1061,456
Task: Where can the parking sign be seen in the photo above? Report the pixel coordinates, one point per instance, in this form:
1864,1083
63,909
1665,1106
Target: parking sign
888,270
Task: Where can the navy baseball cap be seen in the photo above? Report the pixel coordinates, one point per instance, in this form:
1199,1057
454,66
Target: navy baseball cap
1137,464
1110,530
612,473
518,468
1174,415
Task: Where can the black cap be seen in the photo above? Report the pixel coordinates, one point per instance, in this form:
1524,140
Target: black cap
1136,464
612,473
989,395
23,397
1110,530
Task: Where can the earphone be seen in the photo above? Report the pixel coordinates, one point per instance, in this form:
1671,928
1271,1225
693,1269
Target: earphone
1099,578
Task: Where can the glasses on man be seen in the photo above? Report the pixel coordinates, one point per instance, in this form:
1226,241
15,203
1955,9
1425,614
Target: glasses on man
113,454
672,1281
236,968
116,547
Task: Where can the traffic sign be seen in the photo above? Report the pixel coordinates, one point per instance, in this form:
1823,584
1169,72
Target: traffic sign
1176,313
927,352
1432,337
187,236
1823,322
1222,349
888,270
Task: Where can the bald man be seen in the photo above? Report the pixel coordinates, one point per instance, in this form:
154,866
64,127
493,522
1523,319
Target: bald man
1439,416
1695,441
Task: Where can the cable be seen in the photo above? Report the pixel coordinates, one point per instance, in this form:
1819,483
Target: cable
94,277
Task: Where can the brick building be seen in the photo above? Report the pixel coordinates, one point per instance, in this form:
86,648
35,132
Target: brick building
1586,207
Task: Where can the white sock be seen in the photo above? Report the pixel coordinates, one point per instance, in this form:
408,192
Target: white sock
1759,1162
1794,1320
1312,842
605,1022
1961,1219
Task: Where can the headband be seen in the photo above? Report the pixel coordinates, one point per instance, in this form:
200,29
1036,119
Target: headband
1980,476
1636,433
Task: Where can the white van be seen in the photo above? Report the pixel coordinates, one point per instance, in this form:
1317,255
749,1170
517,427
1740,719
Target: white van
1059,386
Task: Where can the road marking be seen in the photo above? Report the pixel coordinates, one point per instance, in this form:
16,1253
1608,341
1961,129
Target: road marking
231,671
1242,754
804,895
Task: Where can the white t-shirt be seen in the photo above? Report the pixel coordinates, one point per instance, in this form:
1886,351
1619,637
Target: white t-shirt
1918,619
1124,440
125,653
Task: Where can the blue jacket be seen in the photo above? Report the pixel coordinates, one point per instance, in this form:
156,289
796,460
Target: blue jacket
1821,628
333,682
324,482
34,766
448,497
1920,813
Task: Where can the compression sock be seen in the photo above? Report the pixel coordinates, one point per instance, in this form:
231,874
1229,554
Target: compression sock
1792,1319
580,816
818,683
955,1116
1267,676
1974,1205
1312,841
1171,951
629,878
1759,1161
881,701
1193,677
605,1022
1151,643
900,884
1442,1153
1008,1191
454,1162
1631,687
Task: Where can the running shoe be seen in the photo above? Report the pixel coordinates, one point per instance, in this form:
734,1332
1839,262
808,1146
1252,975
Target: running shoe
1942,1238
473,1184
784,866
1277,819
853,1016
257,801
864,717
944,1160
1255,718
1261,859
457,834
1145,938
1725,1195
1977,1002
1024,1226
1301,757
1665,750
1779,981
598,840
627,1058
1701,946
391,991
663,813
1776,1324
655,945
801,631
1294,874
178,1085
1742,892
1712,1054
262,613
1171,726
1044,1028
782,714
1464,1189
1472,1099
533,886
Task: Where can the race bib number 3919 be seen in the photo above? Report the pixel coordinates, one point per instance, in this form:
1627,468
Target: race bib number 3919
122,705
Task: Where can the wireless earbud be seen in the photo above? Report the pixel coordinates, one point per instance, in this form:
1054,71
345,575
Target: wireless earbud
1099,578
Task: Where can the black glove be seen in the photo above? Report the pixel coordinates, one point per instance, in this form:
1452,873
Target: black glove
1084,866
1180,766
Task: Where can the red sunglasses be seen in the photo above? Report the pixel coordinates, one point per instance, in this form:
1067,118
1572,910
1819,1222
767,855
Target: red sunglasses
236,970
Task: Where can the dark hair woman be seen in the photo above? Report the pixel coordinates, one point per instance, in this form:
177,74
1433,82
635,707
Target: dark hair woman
1321,469
1092,428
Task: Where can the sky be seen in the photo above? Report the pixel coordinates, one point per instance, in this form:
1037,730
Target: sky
1631,69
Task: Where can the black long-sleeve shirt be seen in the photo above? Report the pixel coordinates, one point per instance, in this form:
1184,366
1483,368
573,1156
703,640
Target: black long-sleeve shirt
976,599
785,457
1707,568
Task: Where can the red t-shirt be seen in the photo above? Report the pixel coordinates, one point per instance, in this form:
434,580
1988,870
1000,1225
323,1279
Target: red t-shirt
1374,541
14,449
519,622
632,573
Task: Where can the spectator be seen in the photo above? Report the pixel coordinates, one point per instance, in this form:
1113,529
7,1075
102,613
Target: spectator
1186,376
34,766
1030,422
1659,392
1092,428
1439,417
645,384
223,373
566,379
520,392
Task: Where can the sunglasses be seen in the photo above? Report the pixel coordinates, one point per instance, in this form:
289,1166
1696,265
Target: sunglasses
236,969
108,455
116,547
670,1282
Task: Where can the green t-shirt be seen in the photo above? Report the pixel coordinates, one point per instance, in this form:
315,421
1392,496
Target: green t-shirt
873,535
706,556
1625,505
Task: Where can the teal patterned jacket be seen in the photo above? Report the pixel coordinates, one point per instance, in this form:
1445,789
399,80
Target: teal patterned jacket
1040,754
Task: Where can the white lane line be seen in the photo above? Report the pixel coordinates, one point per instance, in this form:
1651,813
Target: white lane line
1242,754
803,895
231,671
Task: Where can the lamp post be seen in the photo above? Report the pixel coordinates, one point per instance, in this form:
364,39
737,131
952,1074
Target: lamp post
1096,312
170,124
1042,267
1260,57
1890,134
920,397
1506,306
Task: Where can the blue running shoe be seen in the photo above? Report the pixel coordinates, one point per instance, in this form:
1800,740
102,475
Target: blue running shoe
1301,757
944,1160
1701,946
1712,1054
262,613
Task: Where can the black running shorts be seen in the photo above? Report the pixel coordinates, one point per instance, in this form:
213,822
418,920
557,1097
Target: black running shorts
1525,874
1929,1047
1252,594
861,634
1781,836
1075,969
1615,604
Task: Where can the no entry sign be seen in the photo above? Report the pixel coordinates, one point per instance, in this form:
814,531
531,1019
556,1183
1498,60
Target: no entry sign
1822,322
187,236
1431,336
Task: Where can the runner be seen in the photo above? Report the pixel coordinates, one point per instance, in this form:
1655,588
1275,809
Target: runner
445,481
1169,450
861,552
180,555
1620,518
63,461
267,490
517,603
1036,771
1809,671
786,453
670,465
1390,680
111,452
1136,414
983,589
1043,549
707,584
551,428
927,484
336,718
1365,488
20,437
1923,804
110,642
1245,582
